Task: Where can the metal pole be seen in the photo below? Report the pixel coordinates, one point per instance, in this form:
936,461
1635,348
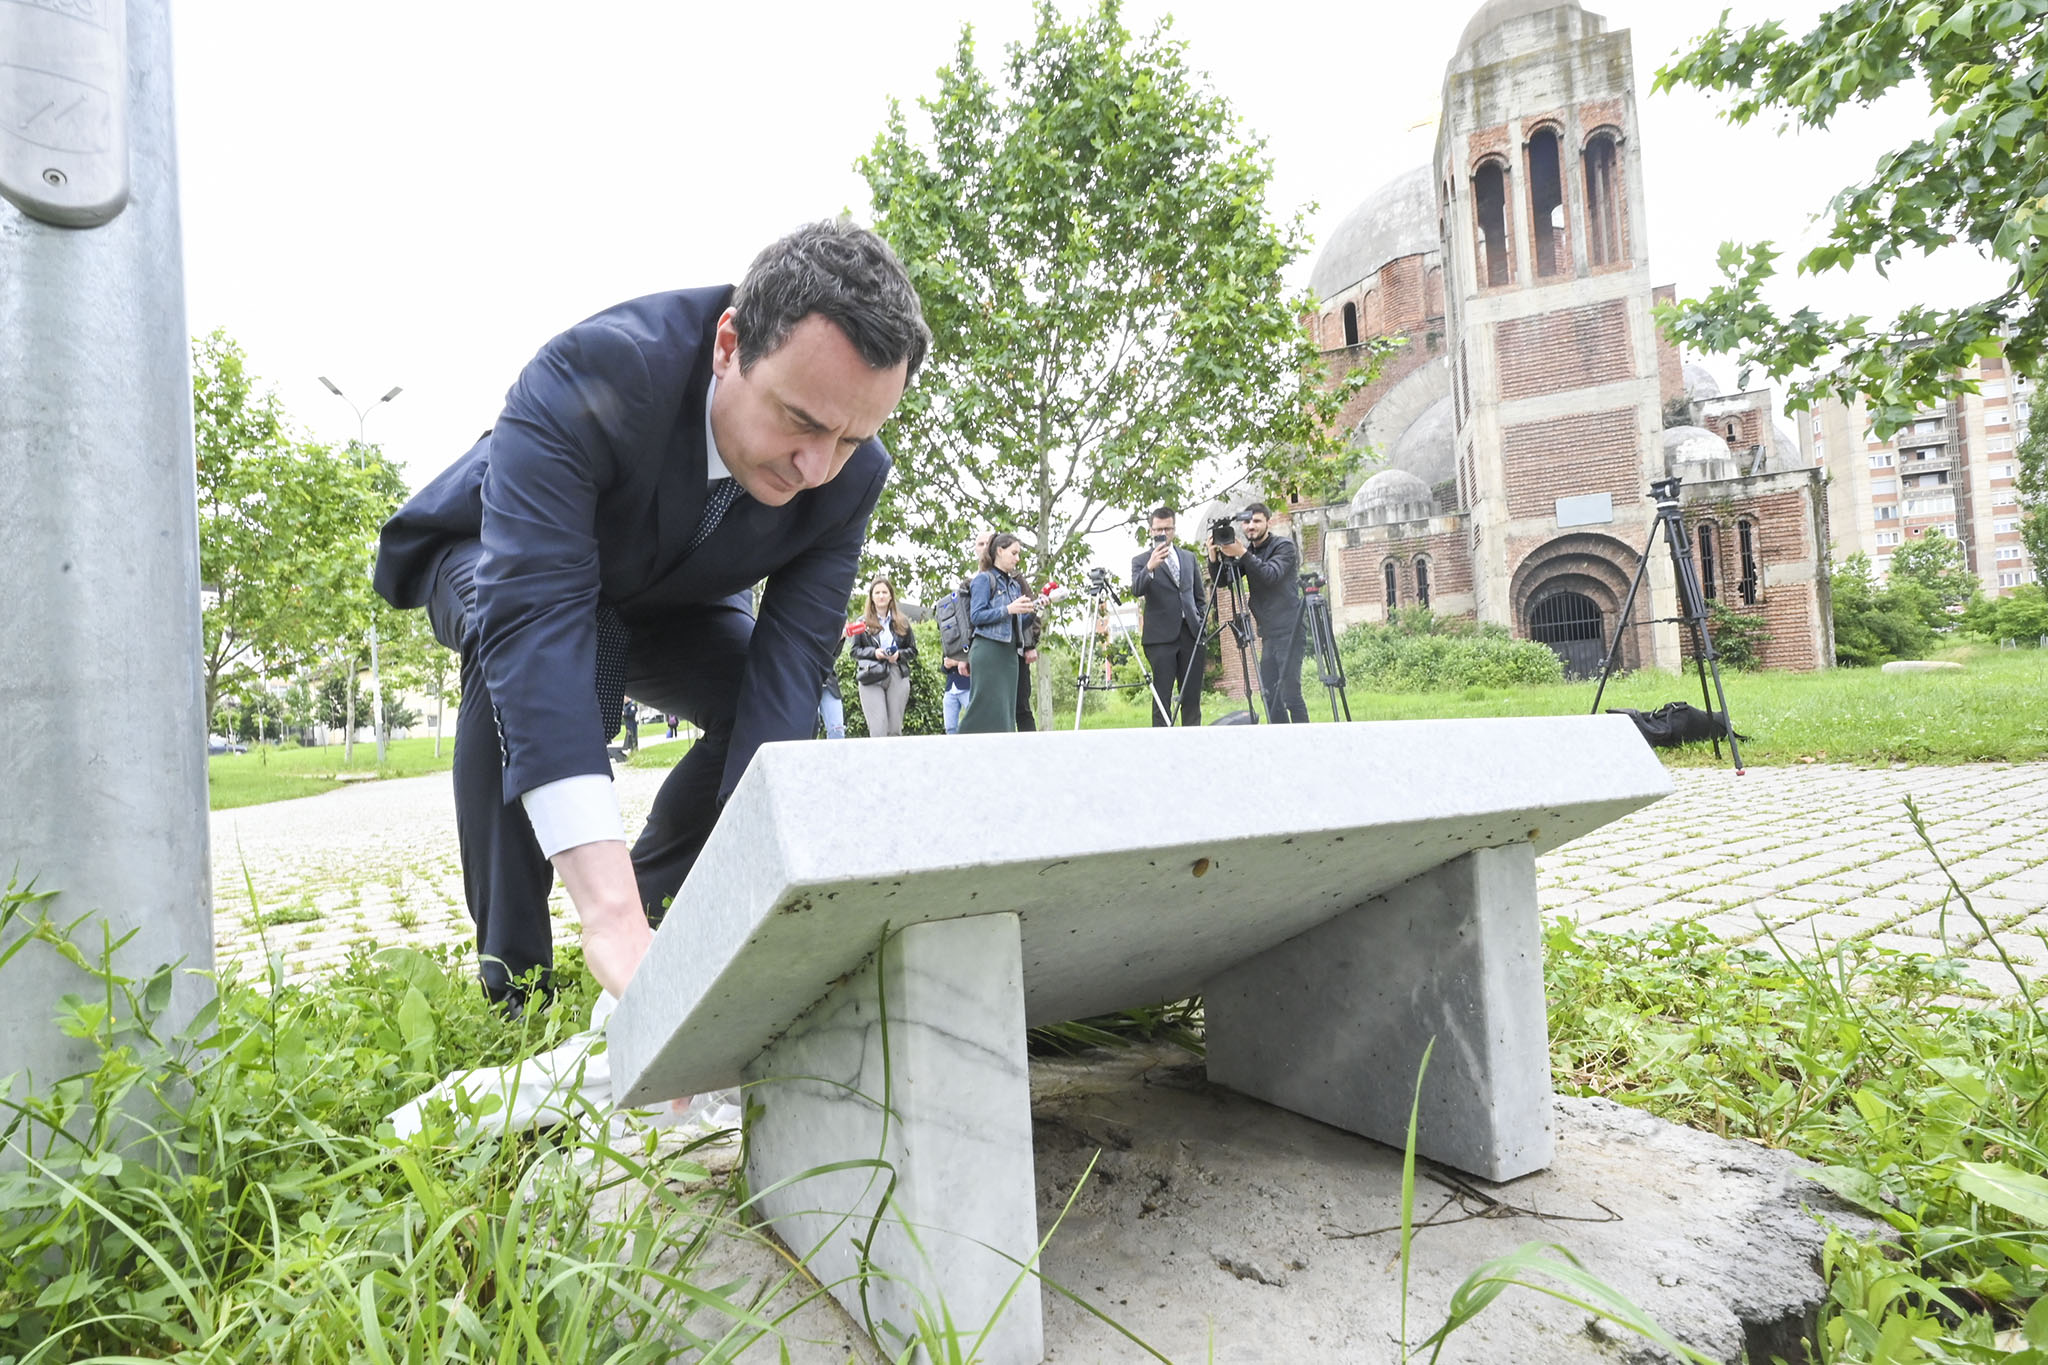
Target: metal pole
103,795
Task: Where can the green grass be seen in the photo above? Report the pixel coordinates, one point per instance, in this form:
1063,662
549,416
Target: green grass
1991,711
269,772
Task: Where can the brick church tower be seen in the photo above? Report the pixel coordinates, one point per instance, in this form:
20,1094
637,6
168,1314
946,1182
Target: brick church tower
1559,379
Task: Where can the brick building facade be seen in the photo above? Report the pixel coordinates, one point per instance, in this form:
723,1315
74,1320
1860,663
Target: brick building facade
1534,401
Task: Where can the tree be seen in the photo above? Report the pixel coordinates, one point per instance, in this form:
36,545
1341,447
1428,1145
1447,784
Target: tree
1936,563
1873,624
1103,282
1973,178
2032,458
284,528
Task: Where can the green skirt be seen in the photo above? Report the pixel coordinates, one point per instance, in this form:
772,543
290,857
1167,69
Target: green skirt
991,687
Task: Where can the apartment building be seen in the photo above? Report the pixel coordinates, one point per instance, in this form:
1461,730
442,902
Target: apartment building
1953,469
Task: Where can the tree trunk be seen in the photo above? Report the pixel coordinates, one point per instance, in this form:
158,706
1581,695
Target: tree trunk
348,734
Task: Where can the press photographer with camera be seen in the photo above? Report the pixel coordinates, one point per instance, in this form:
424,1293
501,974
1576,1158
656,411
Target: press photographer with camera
1271,567
1168,580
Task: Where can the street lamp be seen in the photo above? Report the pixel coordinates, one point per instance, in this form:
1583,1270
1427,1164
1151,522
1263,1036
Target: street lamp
376,689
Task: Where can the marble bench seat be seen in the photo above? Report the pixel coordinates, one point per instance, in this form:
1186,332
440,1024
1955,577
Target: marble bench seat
872,927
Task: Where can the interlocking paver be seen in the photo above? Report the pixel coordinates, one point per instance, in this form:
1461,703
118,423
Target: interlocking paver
1816,849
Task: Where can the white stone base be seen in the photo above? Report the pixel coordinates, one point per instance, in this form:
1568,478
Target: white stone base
939,1220
1333,1022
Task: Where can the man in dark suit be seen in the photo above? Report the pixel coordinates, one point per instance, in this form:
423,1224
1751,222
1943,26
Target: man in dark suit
1272,572
1167,579
651,465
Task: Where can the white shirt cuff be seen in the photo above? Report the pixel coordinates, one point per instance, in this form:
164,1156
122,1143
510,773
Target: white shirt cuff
573,811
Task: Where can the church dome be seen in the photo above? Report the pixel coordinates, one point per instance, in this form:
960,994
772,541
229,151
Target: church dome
1393,495
1696,454
1700,383
1398,219
1474,49
1426,449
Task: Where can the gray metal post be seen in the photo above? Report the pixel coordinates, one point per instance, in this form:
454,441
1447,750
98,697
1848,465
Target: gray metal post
102,738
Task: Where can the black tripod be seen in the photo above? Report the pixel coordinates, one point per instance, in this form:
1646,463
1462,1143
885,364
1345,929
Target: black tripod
1226,577
1322,638
1692,612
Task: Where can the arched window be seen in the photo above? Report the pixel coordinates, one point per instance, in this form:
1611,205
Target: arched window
1546,205
1421,580
1490,201
1393,583
1350,324
1710,553
1604,244
1745,535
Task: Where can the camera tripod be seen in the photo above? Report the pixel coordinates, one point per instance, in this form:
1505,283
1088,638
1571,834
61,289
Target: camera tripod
1692,608
1226,577
1322,638
1101,593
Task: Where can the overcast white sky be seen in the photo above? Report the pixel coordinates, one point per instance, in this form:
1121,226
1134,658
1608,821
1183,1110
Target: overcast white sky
421,192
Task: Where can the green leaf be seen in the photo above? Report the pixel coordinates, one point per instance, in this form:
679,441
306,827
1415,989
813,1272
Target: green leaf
1862,1189
2007,1187
416,1022
67,1289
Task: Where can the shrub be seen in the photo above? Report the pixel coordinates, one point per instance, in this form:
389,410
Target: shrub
1419,651
1739,637
1873,624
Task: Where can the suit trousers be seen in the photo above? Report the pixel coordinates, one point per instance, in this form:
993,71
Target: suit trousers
1026,722
1280,654
1178,663
690,667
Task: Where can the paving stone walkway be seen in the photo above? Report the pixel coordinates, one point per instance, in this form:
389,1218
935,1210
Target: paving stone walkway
1818,854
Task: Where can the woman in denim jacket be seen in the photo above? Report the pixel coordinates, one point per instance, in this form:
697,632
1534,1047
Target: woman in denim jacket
997,597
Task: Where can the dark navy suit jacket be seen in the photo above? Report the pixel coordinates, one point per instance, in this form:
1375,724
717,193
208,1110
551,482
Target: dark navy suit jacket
1167,608
589,488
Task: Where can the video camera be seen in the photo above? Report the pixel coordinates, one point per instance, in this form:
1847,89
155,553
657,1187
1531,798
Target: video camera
1099,584
1223,530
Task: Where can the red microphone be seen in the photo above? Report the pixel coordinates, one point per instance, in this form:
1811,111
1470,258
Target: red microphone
854,628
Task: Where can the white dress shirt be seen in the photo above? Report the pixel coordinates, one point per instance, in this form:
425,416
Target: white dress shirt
584,809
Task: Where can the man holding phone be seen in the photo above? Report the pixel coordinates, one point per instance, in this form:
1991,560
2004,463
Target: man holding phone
1168,580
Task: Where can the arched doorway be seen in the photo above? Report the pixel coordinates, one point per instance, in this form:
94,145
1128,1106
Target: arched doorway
1579,581
1570,623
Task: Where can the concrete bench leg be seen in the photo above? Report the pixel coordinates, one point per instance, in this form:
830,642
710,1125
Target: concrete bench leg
957,1142
1332,1023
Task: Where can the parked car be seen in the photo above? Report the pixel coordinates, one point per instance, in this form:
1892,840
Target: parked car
223,746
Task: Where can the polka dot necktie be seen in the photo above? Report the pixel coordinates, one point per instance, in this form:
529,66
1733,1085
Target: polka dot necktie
615,641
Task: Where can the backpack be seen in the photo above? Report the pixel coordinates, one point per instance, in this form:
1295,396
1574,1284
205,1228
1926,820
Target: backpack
954,633
1677,722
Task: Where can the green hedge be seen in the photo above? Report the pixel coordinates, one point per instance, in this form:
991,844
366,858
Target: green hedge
1422,652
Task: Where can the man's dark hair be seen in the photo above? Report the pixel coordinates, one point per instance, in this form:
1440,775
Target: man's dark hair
1258,509
844,273
1162,511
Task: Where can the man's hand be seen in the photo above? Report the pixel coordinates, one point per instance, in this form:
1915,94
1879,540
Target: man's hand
1235,549
1159,554
601,885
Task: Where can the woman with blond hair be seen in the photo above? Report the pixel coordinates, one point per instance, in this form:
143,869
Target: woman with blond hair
882,652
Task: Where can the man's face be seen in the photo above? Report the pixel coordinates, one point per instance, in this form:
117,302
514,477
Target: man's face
1255,526
795,418
981,544
1162,526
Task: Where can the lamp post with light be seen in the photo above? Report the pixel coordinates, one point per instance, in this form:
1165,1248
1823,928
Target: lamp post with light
376,690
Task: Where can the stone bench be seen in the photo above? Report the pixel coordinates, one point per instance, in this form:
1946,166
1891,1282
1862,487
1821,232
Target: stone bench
872,926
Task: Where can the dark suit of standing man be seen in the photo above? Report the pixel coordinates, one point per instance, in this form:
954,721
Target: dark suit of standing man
1168,580
1272,575
651,465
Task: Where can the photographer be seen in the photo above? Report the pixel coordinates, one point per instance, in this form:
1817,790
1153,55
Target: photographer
1168,580
1271,565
